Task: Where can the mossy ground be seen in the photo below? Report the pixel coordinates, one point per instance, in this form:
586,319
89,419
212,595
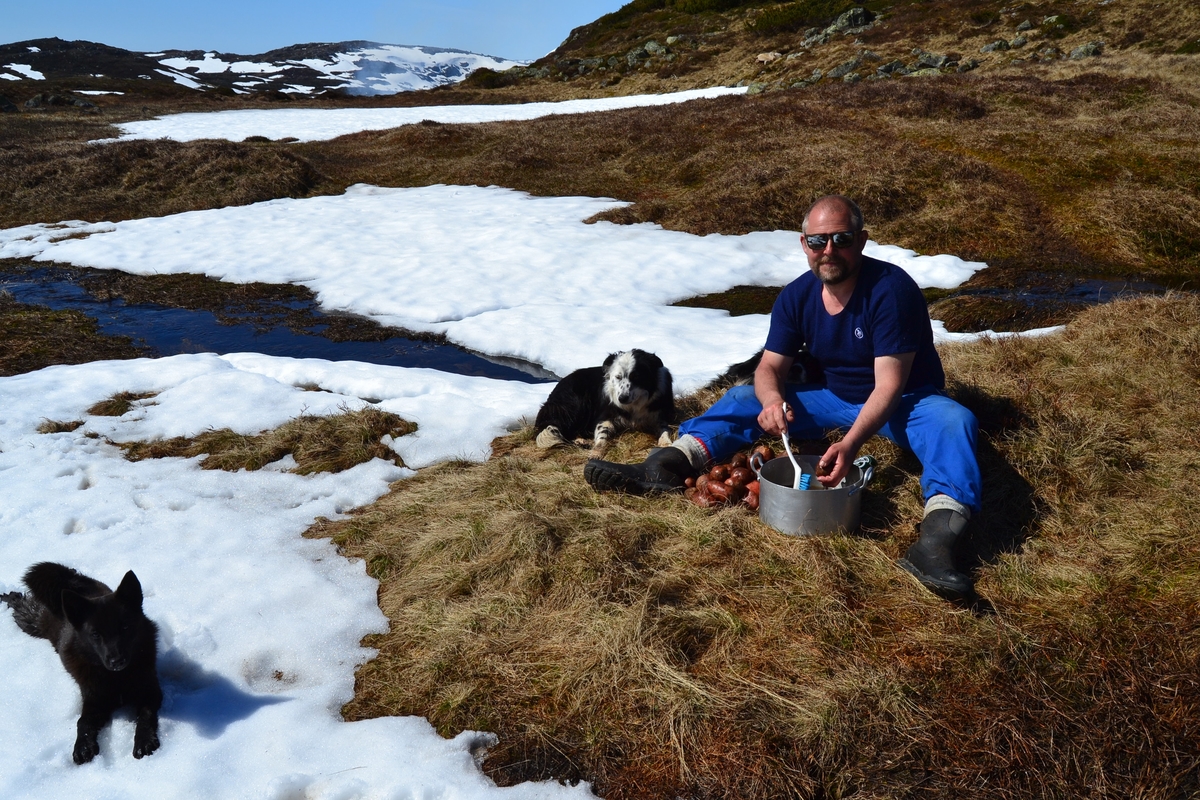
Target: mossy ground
33,337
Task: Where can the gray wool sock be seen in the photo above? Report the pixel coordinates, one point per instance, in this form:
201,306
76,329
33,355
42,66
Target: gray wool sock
946,501
691,447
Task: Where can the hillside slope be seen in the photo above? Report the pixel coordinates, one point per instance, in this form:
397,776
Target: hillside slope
692,43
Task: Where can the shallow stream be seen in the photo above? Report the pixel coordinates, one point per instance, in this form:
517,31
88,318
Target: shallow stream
296,328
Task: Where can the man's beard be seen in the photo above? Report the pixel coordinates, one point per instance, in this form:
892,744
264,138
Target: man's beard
831,272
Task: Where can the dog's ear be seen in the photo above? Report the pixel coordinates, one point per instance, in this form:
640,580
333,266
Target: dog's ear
76,608
130,590
608,361
651,358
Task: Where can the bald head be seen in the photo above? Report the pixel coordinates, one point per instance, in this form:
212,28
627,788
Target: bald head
838,202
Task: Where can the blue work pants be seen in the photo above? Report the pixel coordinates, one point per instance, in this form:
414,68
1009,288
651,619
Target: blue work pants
940,432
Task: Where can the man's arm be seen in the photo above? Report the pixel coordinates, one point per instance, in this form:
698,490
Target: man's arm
891,375
769,381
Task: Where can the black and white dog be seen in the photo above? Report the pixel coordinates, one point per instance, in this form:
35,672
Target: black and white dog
631,390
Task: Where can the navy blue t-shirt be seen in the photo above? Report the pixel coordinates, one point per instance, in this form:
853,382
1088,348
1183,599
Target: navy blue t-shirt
886,316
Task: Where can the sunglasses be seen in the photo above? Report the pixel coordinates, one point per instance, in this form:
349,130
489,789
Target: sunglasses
817,241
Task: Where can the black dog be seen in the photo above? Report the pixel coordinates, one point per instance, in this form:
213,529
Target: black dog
631,390
106,643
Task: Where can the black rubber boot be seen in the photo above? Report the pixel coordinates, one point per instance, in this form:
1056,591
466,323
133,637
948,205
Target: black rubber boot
931,561
663,471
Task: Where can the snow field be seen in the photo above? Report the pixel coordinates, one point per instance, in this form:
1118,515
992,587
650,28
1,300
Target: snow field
259,627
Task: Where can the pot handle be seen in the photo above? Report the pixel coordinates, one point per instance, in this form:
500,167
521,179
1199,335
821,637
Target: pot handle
866,466
756,464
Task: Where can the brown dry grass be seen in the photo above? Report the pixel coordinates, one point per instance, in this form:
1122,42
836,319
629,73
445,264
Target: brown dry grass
660,651
119,404
318,444
42,182
33,337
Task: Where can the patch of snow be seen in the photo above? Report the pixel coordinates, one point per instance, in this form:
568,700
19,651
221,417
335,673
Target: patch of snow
497,271
318,124
212,64
943,336
95,92
27,71
33,49
181,79
8,77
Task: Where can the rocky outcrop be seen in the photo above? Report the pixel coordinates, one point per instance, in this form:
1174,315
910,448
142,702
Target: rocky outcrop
46,100
851,23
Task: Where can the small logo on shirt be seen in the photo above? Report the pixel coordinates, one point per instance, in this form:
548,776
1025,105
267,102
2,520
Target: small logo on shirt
858,334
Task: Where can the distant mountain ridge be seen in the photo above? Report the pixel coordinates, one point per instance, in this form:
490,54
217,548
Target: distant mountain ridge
355,67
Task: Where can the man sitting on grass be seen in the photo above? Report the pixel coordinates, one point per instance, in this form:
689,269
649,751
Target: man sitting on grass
866,324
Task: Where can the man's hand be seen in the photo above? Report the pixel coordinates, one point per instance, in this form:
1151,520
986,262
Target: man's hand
891,374
769,388
836,463
772,419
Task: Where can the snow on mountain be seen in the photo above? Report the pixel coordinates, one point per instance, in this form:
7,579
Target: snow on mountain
358,67
362,68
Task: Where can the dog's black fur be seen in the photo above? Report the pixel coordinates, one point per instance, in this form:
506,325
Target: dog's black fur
105,641
804,369
631,390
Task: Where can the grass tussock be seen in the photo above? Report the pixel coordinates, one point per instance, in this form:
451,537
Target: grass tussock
56,426
119,404
47,182
33,337
318,444
662,651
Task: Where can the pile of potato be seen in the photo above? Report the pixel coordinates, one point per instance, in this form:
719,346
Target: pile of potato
730,483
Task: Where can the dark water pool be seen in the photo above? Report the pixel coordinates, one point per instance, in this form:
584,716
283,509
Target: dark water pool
296,328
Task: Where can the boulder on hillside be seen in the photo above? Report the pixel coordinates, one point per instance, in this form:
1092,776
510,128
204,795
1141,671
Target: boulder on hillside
998,45
926,59
845,68
767,58
1086,50
854,18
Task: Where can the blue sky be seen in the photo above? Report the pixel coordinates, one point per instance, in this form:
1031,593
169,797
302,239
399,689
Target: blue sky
520,29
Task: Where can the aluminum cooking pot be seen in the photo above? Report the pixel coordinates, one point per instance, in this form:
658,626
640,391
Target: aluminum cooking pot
816,510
